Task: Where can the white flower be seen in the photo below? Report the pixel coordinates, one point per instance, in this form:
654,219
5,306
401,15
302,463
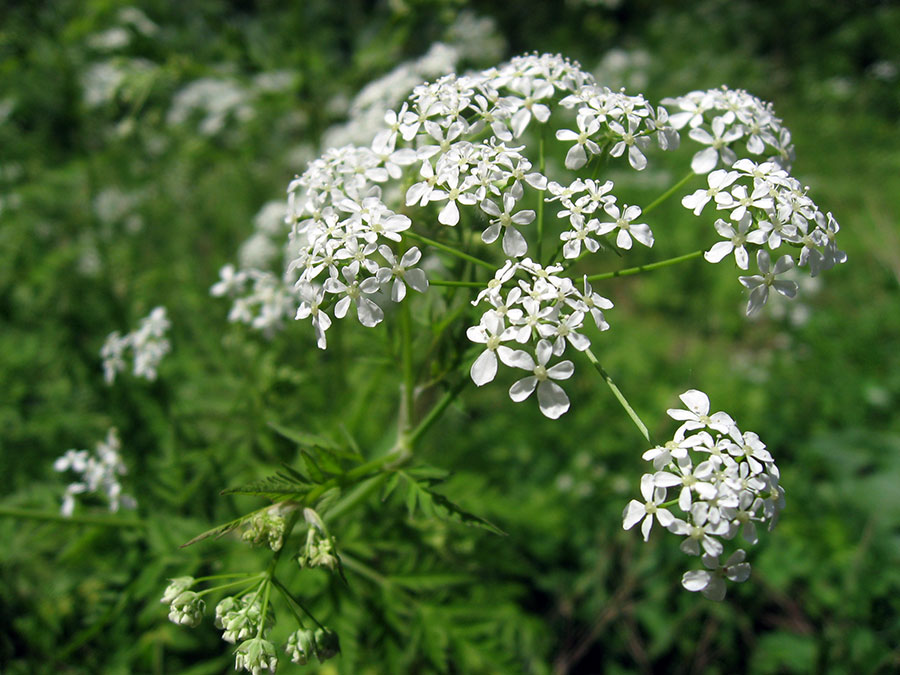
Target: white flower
627,229
759,284
697,414
587,127
735,241
490,332
712,582
700,531
514,244
706,160
368,313
552,398
718,180
402,272
637,511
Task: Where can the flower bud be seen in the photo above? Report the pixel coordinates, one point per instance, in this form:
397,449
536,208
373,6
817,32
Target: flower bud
187,609
255,655
175,588
301,646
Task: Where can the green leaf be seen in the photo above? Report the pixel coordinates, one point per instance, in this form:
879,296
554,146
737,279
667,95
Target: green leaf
224,529
435,505
304,438
278,487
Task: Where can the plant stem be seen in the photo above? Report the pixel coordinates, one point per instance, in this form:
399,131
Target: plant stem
281,587
409,382
436,412
668,193
540,205
646,268
451,250
465,284
618,394
106,521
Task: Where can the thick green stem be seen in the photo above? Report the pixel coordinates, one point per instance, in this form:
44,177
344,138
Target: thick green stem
646,268
668,193
451,250
105,521
618,394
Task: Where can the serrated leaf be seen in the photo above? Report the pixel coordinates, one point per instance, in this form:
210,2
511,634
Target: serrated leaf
225,528
430,581
435,505
278,487
312,468
304,438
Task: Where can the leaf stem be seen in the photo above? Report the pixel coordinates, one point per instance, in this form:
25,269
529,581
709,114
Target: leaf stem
436,412
106,521
540,205
407,401
618,394
465,284
668,193
646,268
451,250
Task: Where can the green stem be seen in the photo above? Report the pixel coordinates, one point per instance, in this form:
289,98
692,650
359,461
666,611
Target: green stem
409,383
451,250
436,412
646,268
465,284
247,581
618,394
668,193
265,608
110,521
281,587
540,205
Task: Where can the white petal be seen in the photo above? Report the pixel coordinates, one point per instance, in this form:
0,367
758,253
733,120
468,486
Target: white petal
719,251
516,358
705,160
632,514
523,388
696,580
576,157
552,399
696,401
561,371
449,215
485,368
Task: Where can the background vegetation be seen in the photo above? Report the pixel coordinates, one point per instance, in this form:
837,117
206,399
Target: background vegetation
112,204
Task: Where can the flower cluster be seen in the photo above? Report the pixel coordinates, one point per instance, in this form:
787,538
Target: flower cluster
305,643
259,298
98,473
148,345
545,310
453,146
765,205
726,482
719,118
246,620
768,211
